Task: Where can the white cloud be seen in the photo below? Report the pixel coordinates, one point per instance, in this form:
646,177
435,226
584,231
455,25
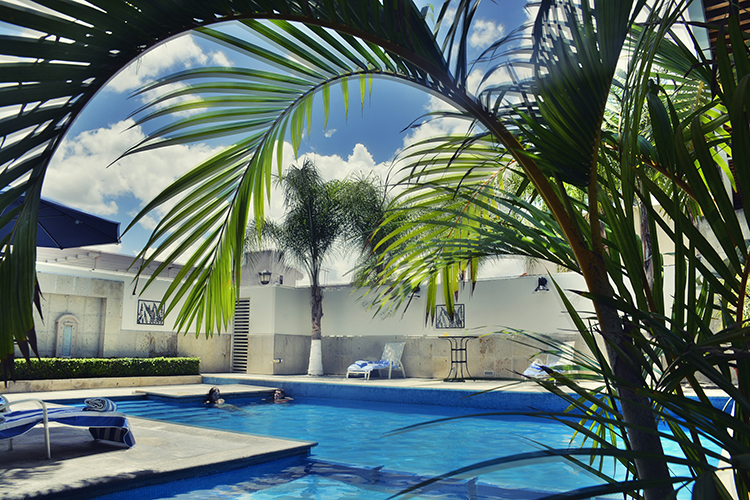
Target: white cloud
359,162
532,10
148,222
152,95
436,127
78,174
475,78
485,32
329,133
450,15
219,58
176,54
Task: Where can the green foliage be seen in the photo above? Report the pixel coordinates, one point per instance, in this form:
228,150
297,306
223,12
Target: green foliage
590,150
65,368
57,56
321,218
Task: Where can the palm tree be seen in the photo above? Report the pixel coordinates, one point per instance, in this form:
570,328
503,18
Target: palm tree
580,171
320,216
556,136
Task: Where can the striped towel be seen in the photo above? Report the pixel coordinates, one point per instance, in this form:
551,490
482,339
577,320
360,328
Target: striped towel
99,404
115,434
109,426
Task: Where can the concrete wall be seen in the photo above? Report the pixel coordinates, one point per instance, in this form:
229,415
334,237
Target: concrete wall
499,355
105,309
95,303
214,352
493,356
494,306
278,354
280,327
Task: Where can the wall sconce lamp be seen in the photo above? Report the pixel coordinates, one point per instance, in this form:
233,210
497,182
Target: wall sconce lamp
541,285
265,277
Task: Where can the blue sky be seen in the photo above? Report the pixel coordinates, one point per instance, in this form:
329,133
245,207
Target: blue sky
365,141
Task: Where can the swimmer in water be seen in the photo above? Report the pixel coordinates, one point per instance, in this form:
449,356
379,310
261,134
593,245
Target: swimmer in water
214,397
280,397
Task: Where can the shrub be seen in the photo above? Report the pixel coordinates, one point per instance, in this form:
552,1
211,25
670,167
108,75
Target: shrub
62,368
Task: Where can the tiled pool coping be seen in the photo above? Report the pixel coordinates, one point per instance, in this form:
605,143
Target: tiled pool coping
483,398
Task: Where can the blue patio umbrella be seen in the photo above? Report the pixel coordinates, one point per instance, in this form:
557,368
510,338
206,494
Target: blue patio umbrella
65,227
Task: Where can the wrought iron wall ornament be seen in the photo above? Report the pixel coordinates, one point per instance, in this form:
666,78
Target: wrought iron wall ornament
443,319
150,312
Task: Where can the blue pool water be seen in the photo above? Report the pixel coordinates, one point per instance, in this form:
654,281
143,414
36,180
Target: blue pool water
359,457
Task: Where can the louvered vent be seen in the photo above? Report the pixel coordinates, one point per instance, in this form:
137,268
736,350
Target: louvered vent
717,11
239,336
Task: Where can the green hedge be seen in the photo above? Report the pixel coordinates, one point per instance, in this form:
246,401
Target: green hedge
60,368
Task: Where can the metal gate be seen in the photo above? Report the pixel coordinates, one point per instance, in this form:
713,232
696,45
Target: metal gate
240,332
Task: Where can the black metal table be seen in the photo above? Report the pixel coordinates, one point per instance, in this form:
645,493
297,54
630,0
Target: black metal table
459,367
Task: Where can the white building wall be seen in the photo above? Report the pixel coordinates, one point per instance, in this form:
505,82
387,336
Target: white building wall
279,336
106,310
495,305
279,326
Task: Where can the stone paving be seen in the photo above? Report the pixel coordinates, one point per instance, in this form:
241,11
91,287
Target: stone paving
81,467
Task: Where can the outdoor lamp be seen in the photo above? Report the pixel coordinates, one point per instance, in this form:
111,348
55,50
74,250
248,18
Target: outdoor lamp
265,277
541,285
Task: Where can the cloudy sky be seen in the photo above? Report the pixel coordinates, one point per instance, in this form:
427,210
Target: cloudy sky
366,141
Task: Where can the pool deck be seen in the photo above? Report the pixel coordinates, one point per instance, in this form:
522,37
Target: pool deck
82,468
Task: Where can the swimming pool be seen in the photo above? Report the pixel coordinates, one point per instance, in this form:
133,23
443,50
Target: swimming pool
357,457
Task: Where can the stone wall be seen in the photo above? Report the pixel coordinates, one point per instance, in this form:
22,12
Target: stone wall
278,354
492,356
95,307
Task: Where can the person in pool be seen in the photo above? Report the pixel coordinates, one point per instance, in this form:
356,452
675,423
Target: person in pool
214,397
280,397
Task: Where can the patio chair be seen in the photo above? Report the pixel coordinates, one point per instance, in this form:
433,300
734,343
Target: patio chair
554,362
390,359
99,416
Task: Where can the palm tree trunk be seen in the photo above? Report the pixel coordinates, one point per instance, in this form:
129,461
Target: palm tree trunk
635,407
648,251
315,366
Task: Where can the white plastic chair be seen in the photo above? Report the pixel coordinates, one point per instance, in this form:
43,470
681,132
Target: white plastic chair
390,359
5,408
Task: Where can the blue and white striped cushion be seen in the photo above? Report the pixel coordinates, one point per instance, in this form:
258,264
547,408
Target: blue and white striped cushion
99,404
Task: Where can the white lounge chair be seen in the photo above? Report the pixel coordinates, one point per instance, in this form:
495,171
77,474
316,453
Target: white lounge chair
391,359
99,416
554,362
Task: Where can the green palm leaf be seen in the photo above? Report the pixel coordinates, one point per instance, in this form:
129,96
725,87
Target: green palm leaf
82,46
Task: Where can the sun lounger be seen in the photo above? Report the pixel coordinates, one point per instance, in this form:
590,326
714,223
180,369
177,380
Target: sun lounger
391,359
554,363
99,416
